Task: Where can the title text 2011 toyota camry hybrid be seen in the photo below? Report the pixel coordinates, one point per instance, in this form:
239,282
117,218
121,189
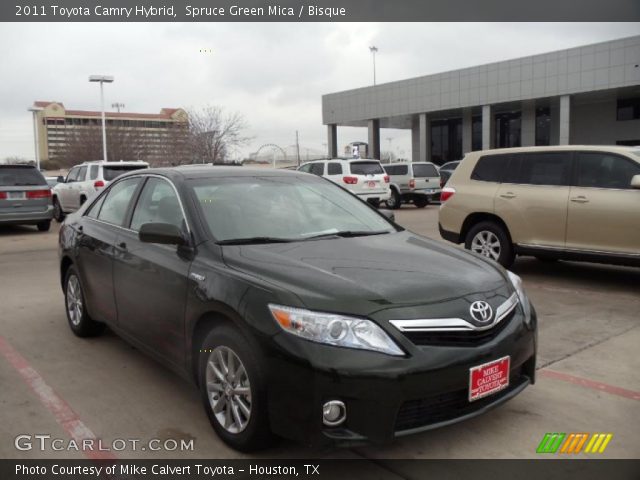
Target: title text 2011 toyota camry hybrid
298,309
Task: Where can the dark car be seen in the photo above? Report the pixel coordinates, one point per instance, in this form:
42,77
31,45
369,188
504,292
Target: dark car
446,171
298,309
25,197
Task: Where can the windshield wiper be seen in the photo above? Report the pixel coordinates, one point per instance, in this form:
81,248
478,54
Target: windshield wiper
254,241
348,234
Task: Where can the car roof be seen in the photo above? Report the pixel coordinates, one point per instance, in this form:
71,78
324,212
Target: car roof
607,148
204,171
109,163
16,165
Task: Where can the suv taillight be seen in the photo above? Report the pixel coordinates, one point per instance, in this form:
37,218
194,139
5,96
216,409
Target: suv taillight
350,180
386,179
38,193
3,195
98,184
412,183
447,193
442,182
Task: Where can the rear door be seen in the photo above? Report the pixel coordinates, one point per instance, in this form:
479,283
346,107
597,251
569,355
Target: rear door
604,211
334,172
532,199
65,191
370,175
23,189
78,188
151,279
101,227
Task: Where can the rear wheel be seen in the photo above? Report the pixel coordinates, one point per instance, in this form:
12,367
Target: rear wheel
394,201
44,226
58,214
233,389
374,202
491,240
421,202
79,320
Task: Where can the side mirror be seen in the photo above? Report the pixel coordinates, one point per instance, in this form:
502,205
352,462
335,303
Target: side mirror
60,179
388,214
635,181
163,233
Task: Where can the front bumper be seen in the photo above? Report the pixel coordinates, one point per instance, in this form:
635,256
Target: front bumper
27,218
387,396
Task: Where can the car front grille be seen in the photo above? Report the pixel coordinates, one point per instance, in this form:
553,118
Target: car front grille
448,406
460,338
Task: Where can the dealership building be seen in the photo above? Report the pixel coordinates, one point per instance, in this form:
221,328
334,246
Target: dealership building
582,95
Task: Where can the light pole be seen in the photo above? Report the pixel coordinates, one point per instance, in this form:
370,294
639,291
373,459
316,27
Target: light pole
373,49
36,150
102,79
117,106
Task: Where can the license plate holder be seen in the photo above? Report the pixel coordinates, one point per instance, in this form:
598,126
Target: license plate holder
489,378
15,196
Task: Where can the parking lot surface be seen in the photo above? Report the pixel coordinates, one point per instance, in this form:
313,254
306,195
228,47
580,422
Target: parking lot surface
56,384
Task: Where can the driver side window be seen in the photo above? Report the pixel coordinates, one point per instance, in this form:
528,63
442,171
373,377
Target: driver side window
158,203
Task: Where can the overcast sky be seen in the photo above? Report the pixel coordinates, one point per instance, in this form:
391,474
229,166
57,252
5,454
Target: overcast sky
273,73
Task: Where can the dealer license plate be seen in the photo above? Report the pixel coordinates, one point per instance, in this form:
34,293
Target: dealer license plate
488,378
372,184
15,195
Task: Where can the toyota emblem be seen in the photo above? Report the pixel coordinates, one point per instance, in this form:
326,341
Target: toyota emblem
481,311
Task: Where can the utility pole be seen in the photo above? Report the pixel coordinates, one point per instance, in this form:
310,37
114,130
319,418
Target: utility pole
117,106
373,49
298,147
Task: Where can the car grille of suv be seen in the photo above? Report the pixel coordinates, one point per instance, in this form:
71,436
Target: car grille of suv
447,406
460,338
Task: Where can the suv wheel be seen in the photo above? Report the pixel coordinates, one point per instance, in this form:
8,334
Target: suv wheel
394,201
79,320
233,389
490,240
44,226
421,202
58,214
374,202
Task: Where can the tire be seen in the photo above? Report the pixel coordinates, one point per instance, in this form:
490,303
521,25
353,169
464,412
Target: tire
58,214
44,226
395,201
254,434
421,202
82,200
374,202
491,240
80,322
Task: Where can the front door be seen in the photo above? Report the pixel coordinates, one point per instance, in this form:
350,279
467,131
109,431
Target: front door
604,211
151,279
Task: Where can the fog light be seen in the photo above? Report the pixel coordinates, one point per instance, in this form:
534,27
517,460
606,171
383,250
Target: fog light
334,413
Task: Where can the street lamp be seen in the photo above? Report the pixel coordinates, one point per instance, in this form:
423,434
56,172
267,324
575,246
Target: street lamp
35,111
373,49
102,79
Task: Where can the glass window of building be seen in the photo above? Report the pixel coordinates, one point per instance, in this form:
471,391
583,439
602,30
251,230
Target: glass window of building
543,126
508,129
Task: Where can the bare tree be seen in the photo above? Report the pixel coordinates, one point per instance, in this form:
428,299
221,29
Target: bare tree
214,135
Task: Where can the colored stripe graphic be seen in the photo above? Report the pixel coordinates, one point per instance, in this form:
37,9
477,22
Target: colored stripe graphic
572,443
598,442
550,442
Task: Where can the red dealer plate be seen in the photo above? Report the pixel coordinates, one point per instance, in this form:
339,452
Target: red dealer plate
372,184
488,378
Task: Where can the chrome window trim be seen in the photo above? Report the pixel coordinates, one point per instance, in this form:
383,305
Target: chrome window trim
455,324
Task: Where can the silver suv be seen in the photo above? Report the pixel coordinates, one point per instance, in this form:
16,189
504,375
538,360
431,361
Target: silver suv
84,180
417,182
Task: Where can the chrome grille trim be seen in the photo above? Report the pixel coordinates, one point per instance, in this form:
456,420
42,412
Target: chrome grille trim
455,324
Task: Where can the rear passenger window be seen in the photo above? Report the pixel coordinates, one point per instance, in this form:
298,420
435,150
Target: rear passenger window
317,169
94,210
544,168
490,168
114,208
604,170
425,170
334,169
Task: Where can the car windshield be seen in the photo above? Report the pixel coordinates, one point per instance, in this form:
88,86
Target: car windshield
20,176
366,168
111,172
282,208
422,170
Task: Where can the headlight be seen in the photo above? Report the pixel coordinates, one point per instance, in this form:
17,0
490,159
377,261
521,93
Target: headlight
516,281
334,329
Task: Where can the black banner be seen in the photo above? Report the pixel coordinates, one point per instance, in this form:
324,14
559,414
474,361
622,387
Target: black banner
323,469
318,10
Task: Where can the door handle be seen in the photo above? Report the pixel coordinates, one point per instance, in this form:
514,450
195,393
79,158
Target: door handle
580,199
508,195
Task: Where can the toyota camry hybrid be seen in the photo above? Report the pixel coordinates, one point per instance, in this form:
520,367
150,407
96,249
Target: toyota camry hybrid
298,310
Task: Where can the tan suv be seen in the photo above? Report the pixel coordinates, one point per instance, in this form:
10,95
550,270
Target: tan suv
570,202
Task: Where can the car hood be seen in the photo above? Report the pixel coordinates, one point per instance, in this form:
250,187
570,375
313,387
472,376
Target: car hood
362,275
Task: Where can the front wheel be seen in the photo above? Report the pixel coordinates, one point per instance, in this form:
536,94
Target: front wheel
421,202
44,226
58,214
491,240
79,320
233,389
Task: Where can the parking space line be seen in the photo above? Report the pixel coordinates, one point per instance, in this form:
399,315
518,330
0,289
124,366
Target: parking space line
61,410
584,382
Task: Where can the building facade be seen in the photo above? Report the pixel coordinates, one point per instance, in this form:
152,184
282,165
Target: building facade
58,128
583,95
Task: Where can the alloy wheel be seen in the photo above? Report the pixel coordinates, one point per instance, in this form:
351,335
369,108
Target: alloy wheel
74,300
228,389
486,243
